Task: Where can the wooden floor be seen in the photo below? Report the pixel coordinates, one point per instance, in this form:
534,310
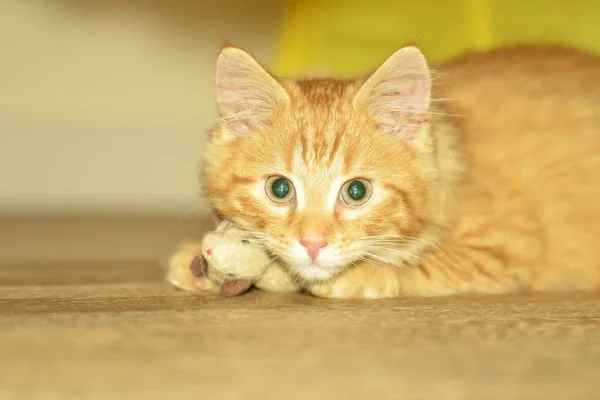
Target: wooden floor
104,330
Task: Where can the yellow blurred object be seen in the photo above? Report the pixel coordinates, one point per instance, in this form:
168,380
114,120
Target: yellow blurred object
346,37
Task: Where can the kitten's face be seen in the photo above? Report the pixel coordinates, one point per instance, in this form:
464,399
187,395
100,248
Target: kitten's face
313,168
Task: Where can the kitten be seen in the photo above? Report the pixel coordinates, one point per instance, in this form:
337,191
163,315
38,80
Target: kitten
480,177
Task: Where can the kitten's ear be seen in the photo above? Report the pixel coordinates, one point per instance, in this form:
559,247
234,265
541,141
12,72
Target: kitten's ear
397,95
247,94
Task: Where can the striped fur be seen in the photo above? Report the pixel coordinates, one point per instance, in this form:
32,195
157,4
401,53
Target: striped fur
497,192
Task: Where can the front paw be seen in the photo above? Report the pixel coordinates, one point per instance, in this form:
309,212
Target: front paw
364,281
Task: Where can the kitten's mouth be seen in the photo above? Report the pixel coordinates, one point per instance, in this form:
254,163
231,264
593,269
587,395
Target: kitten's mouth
326,265
314,271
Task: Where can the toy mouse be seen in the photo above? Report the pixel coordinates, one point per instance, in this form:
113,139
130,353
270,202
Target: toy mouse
229,261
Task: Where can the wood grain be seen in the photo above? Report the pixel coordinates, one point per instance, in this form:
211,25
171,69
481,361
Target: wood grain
102,329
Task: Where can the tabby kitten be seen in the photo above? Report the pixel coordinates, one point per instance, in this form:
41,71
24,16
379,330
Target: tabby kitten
482,176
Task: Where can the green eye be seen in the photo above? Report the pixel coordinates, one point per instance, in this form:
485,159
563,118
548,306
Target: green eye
279,190
356,192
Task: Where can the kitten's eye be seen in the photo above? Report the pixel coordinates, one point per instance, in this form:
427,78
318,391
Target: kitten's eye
245,241
356,192
280,190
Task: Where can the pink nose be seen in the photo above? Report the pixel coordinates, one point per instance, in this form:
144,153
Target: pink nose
313,246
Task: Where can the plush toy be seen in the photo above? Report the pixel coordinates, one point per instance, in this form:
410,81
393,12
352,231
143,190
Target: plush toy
230,261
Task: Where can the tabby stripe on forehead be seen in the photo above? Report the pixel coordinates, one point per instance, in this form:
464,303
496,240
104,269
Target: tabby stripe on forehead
304,145
334,148
288,160
347,158
319,147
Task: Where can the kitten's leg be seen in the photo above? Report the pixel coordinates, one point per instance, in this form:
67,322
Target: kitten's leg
276,279
460,269
183,272
363,280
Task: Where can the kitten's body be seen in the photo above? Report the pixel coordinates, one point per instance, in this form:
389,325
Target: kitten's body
494,190
529,130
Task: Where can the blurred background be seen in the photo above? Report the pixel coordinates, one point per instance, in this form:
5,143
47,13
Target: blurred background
104,105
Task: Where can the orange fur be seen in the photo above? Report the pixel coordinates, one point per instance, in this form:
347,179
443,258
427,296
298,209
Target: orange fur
497,191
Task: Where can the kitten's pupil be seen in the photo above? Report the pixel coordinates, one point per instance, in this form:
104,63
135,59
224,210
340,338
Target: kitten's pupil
281,187
356,190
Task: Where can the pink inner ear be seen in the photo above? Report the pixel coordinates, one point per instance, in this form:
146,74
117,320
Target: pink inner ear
400,93
402,105
232,98
247,94
235,89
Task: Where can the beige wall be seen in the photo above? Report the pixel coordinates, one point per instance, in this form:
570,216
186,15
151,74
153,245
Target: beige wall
103,110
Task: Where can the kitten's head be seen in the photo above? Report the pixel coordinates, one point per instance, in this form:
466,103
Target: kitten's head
326,172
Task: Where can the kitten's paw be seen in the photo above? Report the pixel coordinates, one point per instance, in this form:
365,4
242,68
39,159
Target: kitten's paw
276,279
364,281
189,271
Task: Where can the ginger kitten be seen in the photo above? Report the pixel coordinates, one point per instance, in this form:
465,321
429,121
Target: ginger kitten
482,177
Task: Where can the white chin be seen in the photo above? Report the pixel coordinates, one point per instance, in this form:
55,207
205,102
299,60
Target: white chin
314,273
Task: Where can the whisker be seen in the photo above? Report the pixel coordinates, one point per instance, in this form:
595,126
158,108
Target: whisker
403,238
397,251
191,211
365,259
